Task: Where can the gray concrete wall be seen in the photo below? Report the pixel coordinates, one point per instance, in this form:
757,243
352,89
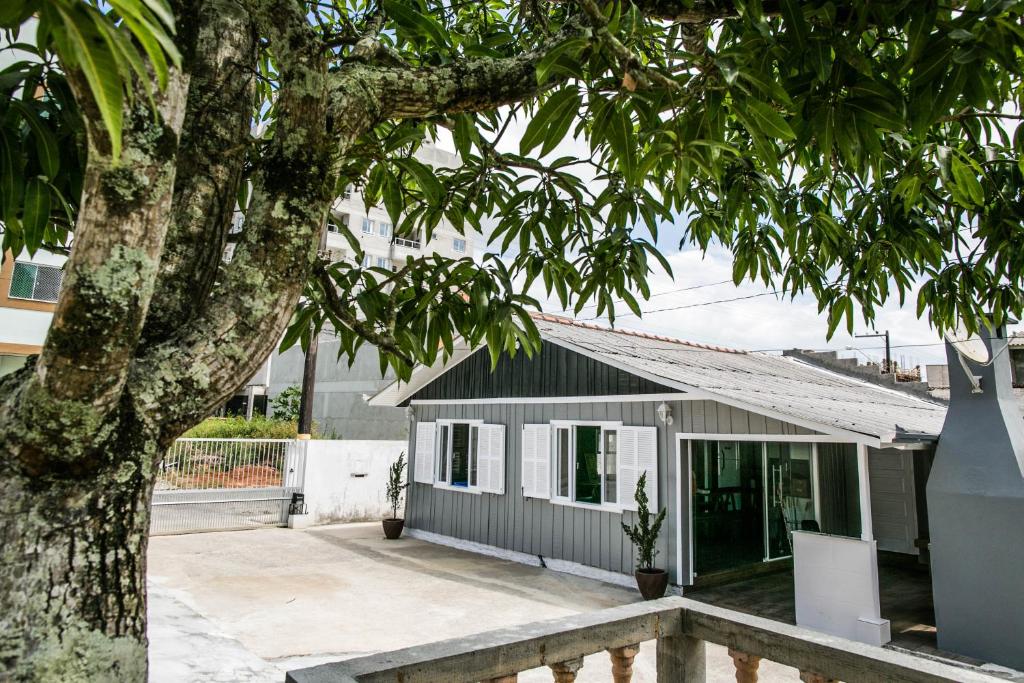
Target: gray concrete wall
338,406
538,527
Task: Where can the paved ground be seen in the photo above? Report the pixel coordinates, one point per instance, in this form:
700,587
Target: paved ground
249,605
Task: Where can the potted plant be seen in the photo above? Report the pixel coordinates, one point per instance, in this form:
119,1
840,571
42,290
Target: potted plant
644,535
393,525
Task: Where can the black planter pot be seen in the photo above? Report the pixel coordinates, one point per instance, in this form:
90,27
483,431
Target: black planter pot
651,582
393,528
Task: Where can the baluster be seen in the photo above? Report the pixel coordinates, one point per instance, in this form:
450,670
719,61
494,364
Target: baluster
746,666
565,672
622,662
504,679
812,677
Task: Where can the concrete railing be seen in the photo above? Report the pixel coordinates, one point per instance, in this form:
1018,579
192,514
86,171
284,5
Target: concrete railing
680,628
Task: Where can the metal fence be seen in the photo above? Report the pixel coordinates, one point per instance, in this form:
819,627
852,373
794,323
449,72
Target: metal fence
224,484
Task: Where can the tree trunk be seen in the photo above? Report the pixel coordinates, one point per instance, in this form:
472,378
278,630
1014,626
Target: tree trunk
73,549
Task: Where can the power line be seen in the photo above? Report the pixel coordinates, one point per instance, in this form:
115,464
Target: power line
855,348
671,291
696,305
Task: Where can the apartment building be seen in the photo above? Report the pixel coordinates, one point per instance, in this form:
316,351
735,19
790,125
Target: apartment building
28,295
381,248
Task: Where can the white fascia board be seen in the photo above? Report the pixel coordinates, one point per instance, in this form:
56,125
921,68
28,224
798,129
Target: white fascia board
394,394
610,398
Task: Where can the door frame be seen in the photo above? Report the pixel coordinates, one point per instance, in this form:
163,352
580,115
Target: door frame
687,473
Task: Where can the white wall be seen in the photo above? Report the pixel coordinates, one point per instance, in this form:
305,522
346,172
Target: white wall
345,481
22,326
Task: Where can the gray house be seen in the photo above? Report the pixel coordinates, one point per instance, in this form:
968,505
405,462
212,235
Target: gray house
539,458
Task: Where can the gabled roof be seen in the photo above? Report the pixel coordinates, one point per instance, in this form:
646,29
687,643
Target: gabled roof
778,386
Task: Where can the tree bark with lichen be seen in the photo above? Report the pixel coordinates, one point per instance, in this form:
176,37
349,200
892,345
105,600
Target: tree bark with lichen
152,330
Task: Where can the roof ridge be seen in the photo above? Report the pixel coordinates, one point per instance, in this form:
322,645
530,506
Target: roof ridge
573,322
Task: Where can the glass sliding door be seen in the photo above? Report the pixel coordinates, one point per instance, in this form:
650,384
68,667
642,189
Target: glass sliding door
728,504
790,495
748,498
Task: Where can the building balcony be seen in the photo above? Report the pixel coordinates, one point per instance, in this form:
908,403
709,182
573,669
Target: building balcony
410,244
676,628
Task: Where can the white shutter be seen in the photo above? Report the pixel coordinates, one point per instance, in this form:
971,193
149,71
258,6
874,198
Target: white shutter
490,458
536,461
638,453
424,466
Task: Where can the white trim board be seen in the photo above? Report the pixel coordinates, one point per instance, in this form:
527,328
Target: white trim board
785,438
620,398
564,566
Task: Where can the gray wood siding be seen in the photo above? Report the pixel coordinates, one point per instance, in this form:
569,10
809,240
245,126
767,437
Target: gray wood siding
589,537
554,371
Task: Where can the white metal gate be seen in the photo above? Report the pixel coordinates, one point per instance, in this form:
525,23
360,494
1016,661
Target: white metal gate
224,484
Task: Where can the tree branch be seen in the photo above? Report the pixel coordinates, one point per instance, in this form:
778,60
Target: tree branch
77,382
180,380
211,156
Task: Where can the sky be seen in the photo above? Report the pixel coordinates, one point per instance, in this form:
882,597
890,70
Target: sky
761,322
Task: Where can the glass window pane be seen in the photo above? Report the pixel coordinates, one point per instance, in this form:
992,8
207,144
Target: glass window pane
460,454
611,465
588,478
47,285
443,454
23,280
474,439
564,468
367,226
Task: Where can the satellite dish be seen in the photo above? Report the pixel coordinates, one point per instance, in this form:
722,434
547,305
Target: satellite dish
969,346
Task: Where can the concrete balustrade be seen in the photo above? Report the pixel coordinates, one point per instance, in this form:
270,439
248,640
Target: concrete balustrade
680,629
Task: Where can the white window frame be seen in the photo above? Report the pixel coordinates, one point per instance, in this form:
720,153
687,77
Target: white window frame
571,501
384,262
474,452
384,229
367,226
455,245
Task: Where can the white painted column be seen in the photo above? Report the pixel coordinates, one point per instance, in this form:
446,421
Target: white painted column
816,479
250,398
864,485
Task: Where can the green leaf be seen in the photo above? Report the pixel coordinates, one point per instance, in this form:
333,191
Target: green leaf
36,212
793,16
769,121
425,178
46,144
539,128
81,44
415,22
549,63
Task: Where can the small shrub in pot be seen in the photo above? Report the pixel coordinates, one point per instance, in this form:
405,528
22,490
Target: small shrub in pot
652,582
393,525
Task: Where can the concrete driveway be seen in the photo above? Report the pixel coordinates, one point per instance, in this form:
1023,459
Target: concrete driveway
250,605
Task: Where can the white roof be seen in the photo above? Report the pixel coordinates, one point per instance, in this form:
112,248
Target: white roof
776,386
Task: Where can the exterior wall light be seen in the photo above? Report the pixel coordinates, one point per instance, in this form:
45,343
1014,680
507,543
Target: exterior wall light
665,413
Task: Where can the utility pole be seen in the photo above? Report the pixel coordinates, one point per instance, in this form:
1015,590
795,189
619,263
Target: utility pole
888,349
309,368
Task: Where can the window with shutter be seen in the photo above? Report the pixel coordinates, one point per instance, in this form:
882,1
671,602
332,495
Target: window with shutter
536,461
637,453
423,471
491,458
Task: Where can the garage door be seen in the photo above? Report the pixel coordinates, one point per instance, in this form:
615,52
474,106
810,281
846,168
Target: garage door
893,515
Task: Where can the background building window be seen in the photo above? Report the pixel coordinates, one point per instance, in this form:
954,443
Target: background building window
35,282
367,226
367,260
459,245
335,221
383,262
384,229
